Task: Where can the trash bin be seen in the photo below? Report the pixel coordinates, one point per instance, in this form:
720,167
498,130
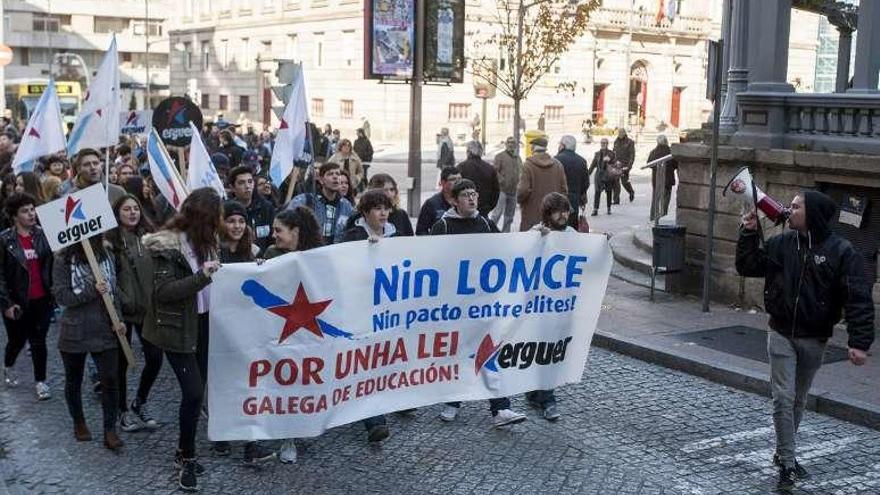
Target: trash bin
668,248
528,137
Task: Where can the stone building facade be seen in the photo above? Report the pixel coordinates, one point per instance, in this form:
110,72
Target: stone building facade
228,47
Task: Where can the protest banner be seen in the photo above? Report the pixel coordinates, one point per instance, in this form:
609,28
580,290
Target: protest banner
312,340
75,218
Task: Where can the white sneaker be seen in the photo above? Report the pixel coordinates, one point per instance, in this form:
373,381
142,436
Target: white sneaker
506,417
130,422
449,413
43,391
9,377
287,454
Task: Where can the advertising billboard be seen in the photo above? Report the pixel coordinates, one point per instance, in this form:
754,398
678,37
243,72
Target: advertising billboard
390,39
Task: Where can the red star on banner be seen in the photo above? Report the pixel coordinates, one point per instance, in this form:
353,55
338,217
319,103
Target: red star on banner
33,132
98,111
301,313
283,125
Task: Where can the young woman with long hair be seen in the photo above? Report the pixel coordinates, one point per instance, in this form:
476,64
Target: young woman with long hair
184,256
28,182
134,267
86,328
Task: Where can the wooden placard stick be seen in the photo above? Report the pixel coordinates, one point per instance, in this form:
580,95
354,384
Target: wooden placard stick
108,303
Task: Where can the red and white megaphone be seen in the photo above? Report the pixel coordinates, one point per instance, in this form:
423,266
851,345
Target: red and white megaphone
743,187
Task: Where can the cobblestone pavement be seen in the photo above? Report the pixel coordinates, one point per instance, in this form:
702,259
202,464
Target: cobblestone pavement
629,428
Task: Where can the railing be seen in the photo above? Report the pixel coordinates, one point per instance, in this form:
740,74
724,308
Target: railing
847,116
646,21
847,123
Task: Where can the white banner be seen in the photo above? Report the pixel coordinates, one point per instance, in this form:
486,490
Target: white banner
76,217
322,338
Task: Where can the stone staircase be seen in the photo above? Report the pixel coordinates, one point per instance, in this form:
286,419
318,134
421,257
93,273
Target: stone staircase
632,250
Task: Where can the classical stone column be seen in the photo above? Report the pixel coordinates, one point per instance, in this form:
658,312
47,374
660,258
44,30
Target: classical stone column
738,74
867,62
726,13
844,53
768,50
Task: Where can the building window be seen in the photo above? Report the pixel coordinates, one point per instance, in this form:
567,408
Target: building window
267,48
459,111
21,56
187,56
110,24
46,23
505,113
224,54
244,103
346,109
224,102
139,27
348,48
553,113
268,5
291,4
292,46
206,55
319,49
245,62
206,101
317,107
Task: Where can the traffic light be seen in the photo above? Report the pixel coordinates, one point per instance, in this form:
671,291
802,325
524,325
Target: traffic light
285,74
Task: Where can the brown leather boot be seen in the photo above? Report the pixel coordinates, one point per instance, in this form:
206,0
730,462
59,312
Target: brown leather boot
112,440
81,432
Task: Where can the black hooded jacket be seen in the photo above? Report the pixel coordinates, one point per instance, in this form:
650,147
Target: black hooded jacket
811,279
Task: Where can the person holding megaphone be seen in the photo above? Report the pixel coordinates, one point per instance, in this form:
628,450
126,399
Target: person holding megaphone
811,275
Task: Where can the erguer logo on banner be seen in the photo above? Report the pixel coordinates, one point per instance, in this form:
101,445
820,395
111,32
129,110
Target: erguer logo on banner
76,217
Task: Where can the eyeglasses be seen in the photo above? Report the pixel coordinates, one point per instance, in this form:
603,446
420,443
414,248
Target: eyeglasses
468,194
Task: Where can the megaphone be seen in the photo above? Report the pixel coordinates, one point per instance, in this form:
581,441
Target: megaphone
742,187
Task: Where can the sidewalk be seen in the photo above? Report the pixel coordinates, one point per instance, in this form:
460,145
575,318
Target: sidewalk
662,333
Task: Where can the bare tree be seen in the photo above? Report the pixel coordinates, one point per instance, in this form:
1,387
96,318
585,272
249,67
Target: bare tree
531,36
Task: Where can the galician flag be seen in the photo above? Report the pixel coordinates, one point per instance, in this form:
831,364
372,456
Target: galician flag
44,133
97,125
201,172
291,135
164,171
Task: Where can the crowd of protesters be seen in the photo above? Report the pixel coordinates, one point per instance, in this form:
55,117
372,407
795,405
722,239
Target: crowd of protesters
158,263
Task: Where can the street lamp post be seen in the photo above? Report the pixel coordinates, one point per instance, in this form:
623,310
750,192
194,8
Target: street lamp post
149,104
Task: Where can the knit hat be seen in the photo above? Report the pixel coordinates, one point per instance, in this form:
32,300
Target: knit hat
232,208
220,160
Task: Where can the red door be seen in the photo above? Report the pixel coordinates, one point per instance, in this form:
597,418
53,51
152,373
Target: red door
599,102
675,113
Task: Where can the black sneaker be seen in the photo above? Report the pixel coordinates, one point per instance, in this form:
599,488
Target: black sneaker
799,470
254,453
178,463
787,477
221,448
378,433
188,480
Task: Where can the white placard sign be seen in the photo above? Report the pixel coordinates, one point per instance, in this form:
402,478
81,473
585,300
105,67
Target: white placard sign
76,217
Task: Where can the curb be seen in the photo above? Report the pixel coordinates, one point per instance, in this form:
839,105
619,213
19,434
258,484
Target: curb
820,401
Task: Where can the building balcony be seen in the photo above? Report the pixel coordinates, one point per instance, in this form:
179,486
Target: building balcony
645,22
835,122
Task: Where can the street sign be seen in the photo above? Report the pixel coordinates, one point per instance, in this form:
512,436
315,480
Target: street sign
5,55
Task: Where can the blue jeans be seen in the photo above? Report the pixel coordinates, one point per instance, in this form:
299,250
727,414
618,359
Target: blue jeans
543,398
495,405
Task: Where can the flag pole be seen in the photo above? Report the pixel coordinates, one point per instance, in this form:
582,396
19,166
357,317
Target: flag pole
107,170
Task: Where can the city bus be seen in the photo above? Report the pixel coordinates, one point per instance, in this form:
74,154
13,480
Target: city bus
22,97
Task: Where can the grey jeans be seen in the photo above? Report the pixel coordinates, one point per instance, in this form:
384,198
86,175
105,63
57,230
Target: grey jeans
507,206
793,364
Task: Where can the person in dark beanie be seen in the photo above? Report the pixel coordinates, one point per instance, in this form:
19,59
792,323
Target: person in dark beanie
811,277
483,174
260,212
